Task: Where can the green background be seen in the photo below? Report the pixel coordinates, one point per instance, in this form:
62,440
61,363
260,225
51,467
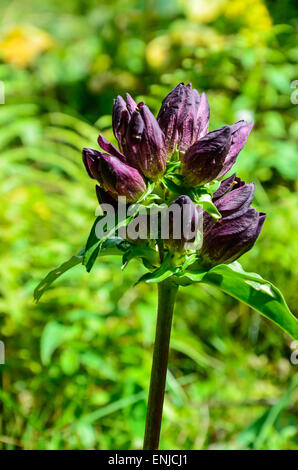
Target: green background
78,363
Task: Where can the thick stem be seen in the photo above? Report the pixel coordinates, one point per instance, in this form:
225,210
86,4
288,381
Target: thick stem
167,291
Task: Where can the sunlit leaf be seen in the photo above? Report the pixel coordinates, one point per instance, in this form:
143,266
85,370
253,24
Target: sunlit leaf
251,289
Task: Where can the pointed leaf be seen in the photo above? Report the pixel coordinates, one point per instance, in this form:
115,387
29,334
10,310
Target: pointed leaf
205,201
95,245
55,274
114,246
161,273
251,289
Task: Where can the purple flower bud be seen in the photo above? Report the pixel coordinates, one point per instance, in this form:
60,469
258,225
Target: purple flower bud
139,136
205,159
183,117
91,158
238,229
213,155
235,200
122,112
240,133
146,149
183,219
233,182
110,148
117,178
229,239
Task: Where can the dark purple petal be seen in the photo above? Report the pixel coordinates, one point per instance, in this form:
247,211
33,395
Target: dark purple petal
134,136
139,136
232,199
110,148
120,119
91,159
247,240
130,103
183,117
133,139
202,117
153,151
262,217
225,186
188,128
228,239
146,144
240,133
120,179
205,158
236,202
171,115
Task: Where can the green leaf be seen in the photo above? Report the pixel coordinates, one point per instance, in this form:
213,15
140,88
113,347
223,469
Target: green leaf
189,260
106,245
111,246
94,245
148,255
69,361
205,201
114,246
212,187
149,190
251,289
56,273
172,186
161,273
274,412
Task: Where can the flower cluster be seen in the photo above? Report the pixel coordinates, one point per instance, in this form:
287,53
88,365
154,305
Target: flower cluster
236,232
146,146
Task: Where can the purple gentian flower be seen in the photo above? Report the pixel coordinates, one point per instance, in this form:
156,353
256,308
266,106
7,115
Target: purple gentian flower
116,177
213,155
140,139
236,232
183,117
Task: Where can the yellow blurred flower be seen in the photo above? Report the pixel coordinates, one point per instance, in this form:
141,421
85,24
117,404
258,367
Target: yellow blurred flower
22,44
253,14
157,51
203,10
196,35
254,18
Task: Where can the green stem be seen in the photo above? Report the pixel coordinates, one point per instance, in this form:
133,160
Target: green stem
2,430
167,291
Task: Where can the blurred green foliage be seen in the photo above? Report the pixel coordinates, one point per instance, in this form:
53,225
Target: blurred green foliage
77,364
